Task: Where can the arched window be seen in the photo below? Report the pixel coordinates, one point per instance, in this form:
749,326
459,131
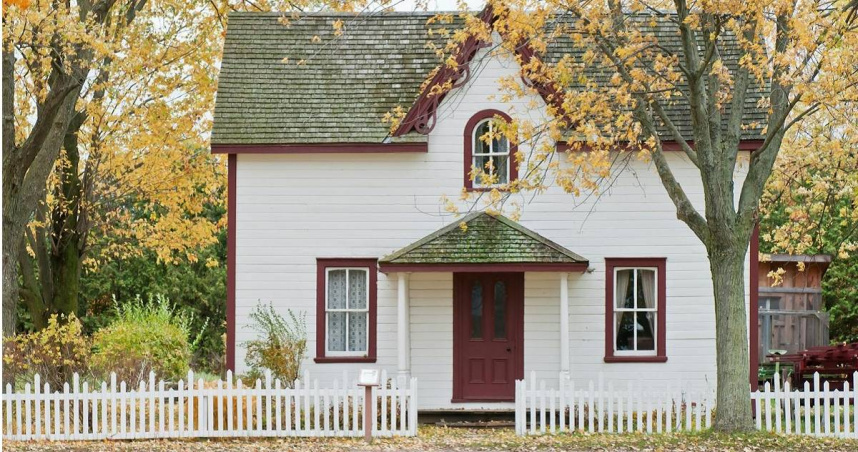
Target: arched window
494,158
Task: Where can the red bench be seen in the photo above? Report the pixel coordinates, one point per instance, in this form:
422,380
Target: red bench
835,364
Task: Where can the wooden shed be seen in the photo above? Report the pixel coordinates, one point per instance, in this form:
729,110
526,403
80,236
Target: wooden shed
790,314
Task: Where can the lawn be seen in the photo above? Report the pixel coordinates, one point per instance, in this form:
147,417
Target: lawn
439,438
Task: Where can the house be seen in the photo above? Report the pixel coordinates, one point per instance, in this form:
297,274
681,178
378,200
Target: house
332,215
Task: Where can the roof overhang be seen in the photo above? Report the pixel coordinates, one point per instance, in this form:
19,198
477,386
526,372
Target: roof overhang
666,145
822,260
320,148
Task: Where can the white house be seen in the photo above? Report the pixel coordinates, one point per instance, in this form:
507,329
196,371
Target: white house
333,216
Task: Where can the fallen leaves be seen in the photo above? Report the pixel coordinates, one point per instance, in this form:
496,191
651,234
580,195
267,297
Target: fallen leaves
445,438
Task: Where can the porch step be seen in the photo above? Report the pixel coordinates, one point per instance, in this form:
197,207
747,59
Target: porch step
468,419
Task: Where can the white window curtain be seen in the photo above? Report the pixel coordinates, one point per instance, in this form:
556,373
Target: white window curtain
347,309
337,297
622,289
648,298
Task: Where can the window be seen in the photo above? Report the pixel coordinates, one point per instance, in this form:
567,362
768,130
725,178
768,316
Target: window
493,158
346,310
635,310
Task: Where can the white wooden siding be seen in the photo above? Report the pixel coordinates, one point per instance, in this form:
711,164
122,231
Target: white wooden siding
294,208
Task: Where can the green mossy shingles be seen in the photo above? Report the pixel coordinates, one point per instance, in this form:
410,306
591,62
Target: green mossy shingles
348,83
485,239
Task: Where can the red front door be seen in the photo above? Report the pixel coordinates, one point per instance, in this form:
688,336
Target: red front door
488,330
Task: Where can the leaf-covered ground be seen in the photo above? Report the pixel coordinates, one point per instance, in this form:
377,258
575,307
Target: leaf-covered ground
439,438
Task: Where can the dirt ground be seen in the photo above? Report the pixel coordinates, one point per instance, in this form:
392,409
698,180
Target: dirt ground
457,439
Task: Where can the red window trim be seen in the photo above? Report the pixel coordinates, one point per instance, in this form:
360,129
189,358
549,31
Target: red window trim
469,147
231,205
322,264
610,264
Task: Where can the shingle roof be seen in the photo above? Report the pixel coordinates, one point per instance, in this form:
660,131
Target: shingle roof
339,95
348,83
666,32
485,239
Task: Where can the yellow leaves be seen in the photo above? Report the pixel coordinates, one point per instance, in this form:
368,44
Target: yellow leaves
339,27
394,117
21,4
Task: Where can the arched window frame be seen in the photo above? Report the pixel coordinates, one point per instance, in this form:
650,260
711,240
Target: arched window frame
470,139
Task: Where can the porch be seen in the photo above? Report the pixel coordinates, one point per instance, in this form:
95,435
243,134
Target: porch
487,258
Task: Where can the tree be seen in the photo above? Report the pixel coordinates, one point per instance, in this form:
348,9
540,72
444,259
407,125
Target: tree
811,206
134,164
802,53
66,64
55,45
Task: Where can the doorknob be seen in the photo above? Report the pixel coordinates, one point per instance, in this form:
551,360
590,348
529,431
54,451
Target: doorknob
509,349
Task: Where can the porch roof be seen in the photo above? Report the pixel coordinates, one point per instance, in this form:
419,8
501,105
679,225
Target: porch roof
483,242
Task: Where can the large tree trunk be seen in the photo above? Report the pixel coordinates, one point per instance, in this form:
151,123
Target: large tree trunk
731,346
11,249
67,241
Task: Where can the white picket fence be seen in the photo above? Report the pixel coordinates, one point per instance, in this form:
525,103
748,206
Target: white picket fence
600,407
192,409
811,410
596,407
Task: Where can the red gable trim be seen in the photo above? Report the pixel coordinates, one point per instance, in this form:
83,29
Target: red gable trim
744,145
320,148
421,116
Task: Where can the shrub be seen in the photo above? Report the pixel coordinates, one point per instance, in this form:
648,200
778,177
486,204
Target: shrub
281,345
144,337
55,352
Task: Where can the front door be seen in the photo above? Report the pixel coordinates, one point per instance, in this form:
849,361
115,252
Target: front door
488,330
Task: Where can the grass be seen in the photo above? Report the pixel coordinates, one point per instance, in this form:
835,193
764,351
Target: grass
440,438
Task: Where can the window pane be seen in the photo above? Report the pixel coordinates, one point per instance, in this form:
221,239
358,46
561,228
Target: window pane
337,289
646,332
501,144
357,289
500,168
337,331
625,330
646,289
481,146
500,310
480,164
623,290
357,331
477,310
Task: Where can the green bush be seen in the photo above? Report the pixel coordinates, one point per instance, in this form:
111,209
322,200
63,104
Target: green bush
144,337
280,347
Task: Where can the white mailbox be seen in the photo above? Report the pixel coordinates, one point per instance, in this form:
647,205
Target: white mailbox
368,377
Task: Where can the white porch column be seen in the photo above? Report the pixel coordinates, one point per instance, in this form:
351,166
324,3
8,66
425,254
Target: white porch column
564,325
403,327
